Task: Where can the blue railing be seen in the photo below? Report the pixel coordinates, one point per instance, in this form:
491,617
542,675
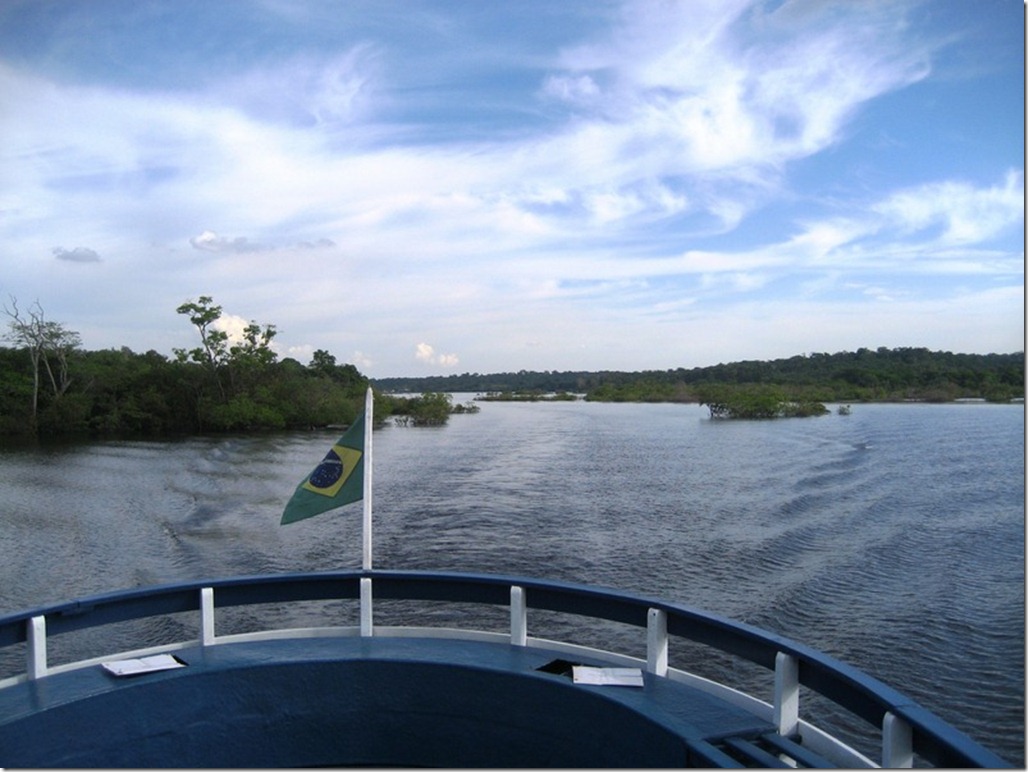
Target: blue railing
907,728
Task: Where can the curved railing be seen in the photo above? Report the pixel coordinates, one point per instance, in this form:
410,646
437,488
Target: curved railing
907,728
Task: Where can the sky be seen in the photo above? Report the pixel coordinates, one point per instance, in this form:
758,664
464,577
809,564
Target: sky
441,187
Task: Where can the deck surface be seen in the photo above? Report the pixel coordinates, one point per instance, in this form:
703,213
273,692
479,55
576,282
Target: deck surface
392,701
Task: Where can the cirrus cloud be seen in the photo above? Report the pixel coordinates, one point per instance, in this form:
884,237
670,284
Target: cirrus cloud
632,175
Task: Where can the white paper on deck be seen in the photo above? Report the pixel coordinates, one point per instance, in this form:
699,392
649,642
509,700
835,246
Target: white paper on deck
126,667
607,676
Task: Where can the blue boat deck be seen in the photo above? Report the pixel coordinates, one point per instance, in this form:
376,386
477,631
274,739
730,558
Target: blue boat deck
373,695
366,701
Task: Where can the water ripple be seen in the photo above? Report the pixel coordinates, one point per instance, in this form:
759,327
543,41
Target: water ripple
892,538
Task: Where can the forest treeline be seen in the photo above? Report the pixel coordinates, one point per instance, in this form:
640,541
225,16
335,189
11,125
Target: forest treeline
122,393
864,375
50,386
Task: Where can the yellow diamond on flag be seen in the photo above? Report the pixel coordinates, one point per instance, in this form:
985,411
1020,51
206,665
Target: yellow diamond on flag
333,472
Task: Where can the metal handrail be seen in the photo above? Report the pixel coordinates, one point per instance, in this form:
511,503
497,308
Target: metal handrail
907,727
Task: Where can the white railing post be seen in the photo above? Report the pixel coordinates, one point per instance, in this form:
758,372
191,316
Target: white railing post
518,616
206,616
787,694
36,635
656,642
367,619
897,743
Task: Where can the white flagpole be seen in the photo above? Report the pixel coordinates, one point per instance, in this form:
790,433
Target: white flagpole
369,423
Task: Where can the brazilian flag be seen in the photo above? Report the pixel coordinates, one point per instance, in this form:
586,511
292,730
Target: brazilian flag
337,480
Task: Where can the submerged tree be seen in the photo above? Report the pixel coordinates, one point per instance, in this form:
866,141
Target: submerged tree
430,409
755,401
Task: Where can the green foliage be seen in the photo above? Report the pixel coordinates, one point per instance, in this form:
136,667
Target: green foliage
214,349
643,390
863,375
430,409
215,387
255,350
244,412
755,401
15,392
49,386
121,393
535,395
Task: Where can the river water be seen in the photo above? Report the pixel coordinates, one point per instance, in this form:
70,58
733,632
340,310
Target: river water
891,538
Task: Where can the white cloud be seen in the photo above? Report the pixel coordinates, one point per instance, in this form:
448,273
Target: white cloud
685,120
571,88
301,354
209,241
965,214
234,326
646,177
695,89
427,354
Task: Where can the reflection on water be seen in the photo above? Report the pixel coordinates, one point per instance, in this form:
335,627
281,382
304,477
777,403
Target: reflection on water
892,538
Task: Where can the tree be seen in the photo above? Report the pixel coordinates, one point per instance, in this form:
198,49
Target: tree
430,409
249,361
348,376
214,343
755,401
322,362
256,346
243,371
49,344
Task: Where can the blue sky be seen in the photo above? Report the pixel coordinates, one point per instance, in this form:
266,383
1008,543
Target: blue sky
436,187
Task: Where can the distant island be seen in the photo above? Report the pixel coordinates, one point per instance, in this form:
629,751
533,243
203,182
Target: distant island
865,375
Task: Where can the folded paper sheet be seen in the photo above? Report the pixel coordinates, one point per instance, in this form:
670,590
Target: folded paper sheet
126,667
608,676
